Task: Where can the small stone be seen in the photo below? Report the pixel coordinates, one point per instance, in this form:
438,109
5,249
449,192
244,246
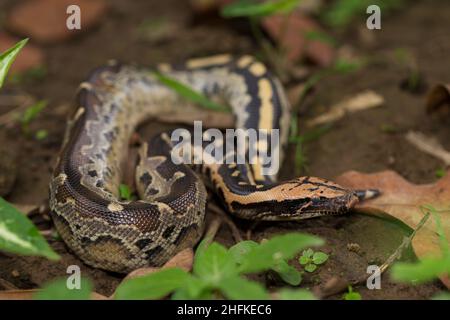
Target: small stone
354,247
45,20
15,273
28,58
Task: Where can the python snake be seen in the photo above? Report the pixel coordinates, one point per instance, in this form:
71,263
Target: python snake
121,236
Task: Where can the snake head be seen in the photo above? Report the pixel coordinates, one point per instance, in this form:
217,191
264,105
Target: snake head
314,197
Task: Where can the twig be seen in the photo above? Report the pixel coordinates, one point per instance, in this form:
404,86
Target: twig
428,145
234,230
337,285
361,101
212,229
405,243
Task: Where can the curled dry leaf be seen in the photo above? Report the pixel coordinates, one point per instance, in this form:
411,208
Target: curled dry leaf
404,201
438,98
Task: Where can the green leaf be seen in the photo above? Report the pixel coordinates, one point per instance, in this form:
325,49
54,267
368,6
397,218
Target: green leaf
442,296
19,235
304,260
351,295
32,112
188,93
238,288
319,257
308,253
298,294
8,57
194,288
241,249
343,12
124,192
343,66
310,267
41,134
214,264
320,36
283,247
288,273
58,290
153,286
424,270
439,173
246,8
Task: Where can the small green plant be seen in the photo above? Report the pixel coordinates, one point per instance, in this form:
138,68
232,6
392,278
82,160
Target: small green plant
428,268
342,12
310,260
351,295
17,233
30,114
27,76
125,192
246,8
321,36
301,161
220,273
59,290
188,93
407,61
41,134
440,172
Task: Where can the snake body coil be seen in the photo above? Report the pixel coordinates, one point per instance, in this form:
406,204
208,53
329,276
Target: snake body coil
124,235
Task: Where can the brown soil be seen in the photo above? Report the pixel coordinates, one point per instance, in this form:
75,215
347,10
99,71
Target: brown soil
357,142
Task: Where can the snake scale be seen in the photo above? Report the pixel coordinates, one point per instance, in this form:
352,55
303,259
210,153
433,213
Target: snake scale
121,236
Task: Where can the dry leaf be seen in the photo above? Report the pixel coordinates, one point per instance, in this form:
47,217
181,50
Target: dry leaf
361,101
291,34
183,260
18,294
438,97
29,293
403,200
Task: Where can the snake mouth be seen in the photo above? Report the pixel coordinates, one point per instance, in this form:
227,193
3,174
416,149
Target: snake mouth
327,207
